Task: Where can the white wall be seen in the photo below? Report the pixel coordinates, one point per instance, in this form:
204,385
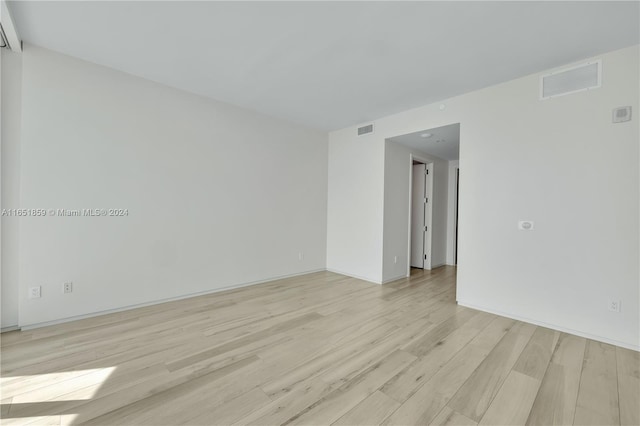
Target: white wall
355,205
217,196
560,163
10,174
397,193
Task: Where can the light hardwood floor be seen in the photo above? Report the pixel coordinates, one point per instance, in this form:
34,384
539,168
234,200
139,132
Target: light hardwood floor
316,349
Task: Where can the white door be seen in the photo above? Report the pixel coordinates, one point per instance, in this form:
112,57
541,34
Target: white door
421,216
417,216
428,202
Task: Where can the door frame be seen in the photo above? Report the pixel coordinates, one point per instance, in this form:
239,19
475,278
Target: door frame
455,229
427,163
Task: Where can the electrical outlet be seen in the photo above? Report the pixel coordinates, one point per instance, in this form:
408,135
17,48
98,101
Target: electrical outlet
395,259
301,256
614,305
67,287
34,292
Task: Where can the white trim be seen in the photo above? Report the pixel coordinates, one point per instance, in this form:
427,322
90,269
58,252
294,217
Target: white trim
10,328
399,277
430,181
9,29
597,86
452,211
461,303
348,274
552,326
157,302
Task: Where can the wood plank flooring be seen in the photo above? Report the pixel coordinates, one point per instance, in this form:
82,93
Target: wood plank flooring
318,349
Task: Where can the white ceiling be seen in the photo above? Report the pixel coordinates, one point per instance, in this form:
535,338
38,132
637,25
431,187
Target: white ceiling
444,141
329,64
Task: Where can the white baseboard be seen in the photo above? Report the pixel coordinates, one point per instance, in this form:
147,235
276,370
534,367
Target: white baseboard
371,280
157,302
552,326
252,283
399,277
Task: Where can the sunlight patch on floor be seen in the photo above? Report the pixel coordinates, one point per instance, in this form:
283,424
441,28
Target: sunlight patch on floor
59,386
40,421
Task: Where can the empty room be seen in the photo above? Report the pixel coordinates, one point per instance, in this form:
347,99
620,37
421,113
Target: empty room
320,212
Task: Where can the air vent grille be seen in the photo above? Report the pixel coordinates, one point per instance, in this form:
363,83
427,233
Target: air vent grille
622,114
365,130
571,80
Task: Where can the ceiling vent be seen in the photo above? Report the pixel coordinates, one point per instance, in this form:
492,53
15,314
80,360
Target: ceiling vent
571,80
365,130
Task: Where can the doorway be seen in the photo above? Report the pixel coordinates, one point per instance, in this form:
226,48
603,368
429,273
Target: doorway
421,213
432,199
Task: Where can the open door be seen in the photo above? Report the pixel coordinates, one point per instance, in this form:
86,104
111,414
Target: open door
421,216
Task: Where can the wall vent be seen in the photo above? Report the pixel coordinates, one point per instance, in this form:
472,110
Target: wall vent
621,114
365,130
571,80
